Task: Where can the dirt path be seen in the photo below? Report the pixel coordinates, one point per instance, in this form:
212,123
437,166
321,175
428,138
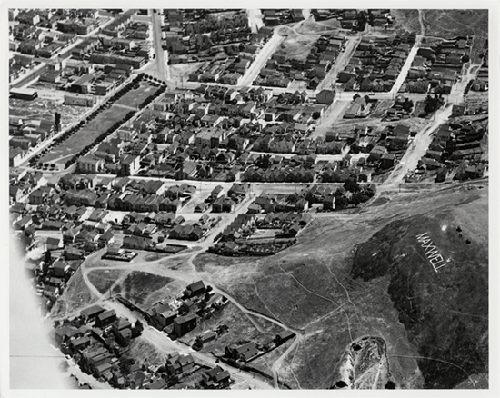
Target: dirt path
340,63
421,21
279,361
416,150
161,340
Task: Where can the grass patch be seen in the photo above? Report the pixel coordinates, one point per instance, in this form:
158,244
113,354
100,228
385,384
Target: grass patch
76,295
141,350
297,46
104,279
138,286
136,97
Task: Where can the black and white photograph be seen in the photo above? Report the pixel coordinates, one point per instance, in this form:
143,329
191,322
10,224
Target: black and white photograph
249,199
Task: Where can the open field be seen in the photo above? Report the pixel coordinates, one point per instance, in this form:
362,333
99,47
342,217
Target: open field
135,97
138,287
86,135
315,287
75,298
297,46
312,27
406,20
143,351
103,280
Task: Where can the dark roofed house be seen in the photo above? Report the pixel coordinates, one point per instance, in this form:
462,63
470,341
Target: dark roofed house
195,288
81,343
184,324
90,313
105,318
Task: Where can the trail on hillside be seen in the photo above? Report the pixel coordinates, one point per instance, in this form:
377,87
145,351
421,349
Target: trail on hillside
422,24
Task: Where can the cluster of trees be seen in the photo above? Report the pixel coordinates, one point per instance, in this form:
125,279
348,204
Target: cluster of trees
432,104
356,196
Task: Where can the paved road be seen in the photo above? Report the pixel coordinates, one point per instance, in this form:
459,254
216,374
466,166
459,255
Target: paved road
404,71
261,59
160,54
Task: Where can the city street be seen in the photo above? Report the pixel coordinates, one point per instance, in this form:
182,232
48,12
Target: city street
262,58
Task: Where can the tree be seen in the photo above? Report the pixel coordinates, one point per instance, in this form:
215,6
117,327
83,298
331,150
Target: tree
356,199
351,185
138,329
341,202
340,192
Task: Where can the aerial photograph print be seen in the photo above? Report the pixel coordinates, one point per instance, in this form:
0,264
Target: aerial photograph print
248,199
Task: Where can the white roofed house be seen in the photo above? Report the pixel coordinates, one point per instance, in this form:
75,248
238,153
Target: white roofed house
89,164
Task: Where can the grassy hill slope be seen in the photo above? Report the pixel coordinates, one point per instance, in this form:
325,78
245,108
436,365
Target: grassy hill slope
356,275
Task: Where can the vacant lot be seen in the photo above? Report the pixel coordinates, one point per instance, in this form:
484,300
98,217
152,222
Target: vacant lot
297,46
44,109
86,135
104,279
139,286
143,351
76,296
136,97
312,27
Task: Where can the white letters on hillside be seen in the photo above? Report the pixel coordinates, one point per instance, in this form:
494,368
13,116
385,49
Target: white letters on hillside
431,251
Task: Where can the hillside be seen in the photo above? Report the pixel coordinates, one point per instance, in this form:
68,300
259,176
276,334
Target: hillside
373,274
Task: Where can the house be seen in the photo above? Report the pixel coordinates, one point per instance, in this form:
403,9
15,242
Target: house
388,160
16,157
15,193
162,315
184,324
283,337
325,97
89,164
80,343
105,318
195,289
130,165
245,352
89,314
23,223
137,242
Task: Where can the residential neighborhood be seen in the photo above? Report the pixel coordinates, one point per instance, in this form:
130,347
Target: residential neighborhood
162,161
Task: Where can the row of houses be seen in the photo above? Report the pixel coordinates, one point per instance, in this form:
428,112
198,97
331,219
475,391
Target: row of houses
201,128
280,70
456,143
376,63
436,67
